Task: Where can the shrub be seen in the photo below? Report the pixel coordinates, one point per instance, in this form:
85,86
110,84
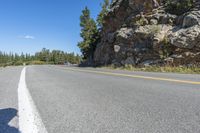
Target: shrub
179,7
154,29
128,67
165,48
18,63
36,62
185,70
141,22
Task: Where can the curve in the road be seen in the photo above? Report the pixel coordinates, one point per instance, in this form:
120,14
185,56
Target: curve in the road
29,118
137,76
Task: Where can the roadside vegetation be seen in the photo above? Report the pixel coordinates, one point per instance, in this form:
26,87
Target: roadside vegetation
45,56
163,69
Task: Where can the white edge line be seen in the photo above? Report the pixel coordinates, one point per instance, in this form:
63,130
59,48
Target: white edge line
29,118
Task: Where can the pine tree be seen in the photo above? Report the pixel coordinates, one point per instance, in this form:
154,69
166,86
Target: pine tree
89,34
104,11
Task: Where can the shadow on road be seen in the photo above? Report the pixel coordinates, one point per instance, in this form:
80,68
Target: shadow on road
6,115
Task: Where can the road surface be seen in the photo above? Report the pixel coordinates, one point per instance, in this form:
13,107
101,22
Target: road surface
88,100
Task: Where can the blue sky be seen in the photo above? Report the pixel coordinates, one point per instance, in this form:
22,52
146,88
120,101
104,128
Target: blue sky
30,25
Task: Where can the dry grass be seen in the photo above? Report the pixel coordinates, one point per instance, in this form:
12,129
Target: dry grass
165,69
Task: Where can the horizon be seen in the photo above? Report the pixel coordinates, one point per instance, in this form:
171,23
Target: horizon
29,26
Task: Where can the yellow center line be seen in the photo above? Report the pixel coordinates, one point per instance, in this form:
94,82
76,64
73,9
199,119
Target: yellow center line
136,76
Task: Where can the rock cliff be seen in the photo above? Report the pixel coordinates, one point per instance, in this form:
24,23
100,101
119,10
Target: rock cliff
143,33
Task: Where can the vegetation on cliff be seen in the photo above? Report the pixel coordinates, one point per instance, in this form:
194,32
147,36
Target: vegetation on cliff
90,31
179,7
147,33
103,12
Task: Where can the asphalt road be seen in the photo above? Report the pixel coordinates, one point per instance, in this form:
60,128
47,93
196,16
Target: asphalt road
9,78
86,100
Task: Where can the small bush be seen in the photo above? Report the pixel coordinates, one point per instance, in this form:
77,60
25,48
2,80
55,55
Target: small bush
141,22
3,65
179,7
128,67
18,63
36,62
165,48
155,29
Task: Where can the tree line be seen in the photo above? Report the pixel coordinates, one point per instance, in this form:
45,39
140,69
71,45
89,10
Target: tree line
45,56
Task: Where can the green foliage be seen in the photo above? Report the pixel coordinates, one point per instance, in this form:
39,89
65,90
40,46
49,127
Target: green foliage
155,29
179,7
89,34
45,56
56,57
18,63
165,48
36,62
141,22
104,11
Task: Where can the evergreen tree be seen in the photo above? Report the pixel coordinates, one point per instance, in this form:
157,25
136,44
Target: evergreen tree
44,56
89,34
179,7
104,11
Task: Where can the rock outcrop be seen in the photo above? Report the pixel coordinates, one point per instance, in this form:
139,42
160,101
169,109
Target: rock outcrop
142,33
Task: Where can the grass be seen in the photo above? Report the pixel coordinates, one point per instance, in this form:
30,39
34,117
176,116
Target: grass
21,63
36,62
164,69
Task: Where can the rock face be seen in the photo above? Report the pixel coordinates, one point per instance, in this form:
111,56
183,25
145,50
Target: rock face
142,33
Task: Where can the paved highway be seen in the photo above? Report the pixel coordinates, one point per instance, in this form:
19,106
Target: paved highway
88,100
